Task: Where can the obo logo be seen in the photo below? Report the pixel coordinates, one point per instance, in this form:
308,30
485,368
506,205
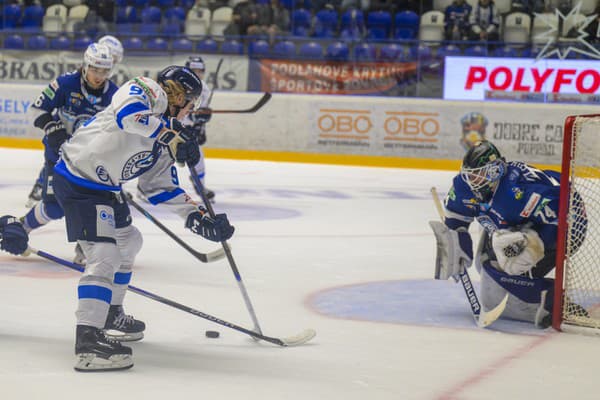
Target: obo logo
411,126
348,124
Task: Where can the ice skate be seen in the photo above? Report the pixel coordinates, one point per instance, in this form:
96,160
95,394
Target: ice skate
35,195
122,327
95,352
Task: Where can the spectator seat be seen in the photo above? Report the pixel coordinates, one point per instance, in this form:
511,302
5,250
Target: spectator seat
259,48
221,17
12,15
76,18
33,16
182,44
157,44
300,22
406,25
431,28
197,22
391,52
517,29
133,43
14,42
232,47
284,49
81,43
207,45
37,42
337,51
325,23
60,43
379,24
365,52
310,50
54,20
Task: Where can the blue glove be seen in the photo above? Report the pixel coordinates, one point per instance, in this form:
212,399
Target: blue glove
13,237
56,135
200,129
216,230
200,118
188,153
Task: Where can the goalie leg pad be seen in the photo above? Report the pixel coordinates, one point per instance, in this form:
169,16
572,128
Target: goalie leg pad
451,259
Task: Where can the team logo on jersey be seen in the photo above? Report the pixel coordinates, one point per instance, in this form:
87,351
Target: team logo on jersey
531,205
101,173
487,223
518,193
138,164
93,99
49,93
105,216
75,102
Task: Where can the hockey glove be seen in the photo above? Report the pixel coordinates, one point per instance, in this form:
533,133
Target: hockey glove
201,115
454,250
179,135
216,230
517,252
13,237
56,135
200,132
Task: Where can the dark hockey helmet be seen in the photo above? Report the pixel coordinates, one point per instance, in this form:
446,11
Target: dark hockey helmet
482,168
195,62
180,83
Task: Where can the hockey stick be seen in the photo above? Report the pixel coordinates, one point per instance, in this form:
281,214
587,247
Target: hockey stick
234,268
204,257
261,102
216,82
296,340
482,318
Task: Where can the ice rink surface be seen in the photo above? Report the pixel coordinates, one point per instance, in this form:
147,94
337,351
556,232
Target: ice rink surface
344,250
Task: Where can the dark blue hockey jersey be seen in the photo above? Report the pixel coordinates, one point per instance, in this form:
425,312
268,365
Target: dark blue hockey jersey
67,98
525,195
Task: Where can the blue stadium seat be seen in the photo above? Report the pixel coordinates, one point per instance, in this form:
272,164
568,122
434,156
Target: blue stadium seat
14,42
420,52
172,28
151,15
175,13
351,18
120,3
164,4
506,52
133,43
300,22
311,50
448,50
476,51
139,3
391,52
187,4
182,44
259,48
365,52
379,24
37,42
157,44
32,17
337,51
325,23
81,43
406,25
12,15
284,49
289,4
232,47
60,43
207,46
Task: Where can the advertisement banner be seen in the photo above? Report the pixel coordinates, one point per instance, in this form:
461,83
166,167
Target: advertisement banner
469,78
43,67
314,77
15,119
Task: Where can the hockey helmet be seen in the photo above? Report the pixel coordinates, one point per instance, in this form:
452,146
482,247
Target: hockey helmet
473,129
482,168
99,57
180,83
154,92
195,62
115,47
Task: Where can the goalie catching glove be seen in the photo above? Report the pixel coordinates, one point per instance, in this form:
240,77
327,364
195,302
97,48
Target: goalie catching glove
517,252
454,250
181,142
215,229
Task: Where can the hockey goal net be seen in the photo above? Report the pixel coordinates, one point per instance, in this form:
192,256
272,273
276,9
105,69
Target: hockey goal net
577,286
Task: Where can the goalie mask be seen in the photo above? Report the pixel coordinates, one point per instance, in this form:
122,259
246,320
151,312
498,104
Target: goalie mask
482,169
181,85
473,129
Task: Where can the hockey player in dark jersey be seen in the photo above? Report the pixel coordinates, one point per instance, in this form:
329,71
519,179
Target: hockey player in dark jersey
517,206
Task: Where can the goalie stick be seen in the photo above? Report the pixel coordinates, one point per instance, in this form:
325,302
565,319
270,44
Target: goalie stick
236,273
259,104
482,318
295,340
204,257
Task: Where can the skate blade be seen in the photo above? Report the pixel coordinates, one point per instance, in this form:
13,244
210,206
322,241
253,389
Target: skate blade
90,362
122,336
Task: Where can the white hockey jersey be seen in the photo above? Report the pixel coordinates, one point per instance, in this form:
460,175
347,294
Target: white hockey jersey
119,144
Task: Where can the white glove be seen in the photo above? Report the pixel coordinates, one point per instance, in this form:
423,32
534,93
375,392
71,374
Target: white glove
454,251
517,252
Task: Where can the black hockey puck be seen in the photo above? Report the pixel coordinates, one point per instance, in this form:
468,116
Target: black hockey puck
212,334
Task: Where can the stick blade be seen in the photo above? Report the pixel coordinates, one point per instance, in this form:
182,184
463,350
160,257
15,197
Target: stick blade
215,255
299,339
486,318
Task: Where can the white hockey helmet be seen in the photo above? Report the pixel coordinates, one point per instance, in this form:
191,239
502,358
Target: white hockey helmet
115,47
97,56
155,93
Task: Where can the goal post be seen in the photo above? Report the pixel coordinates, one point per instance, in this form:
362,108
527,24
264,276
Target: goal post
577,275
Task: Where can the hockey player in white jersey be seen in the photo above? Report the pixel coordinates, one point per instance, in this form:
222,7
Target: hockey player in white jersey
129,139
